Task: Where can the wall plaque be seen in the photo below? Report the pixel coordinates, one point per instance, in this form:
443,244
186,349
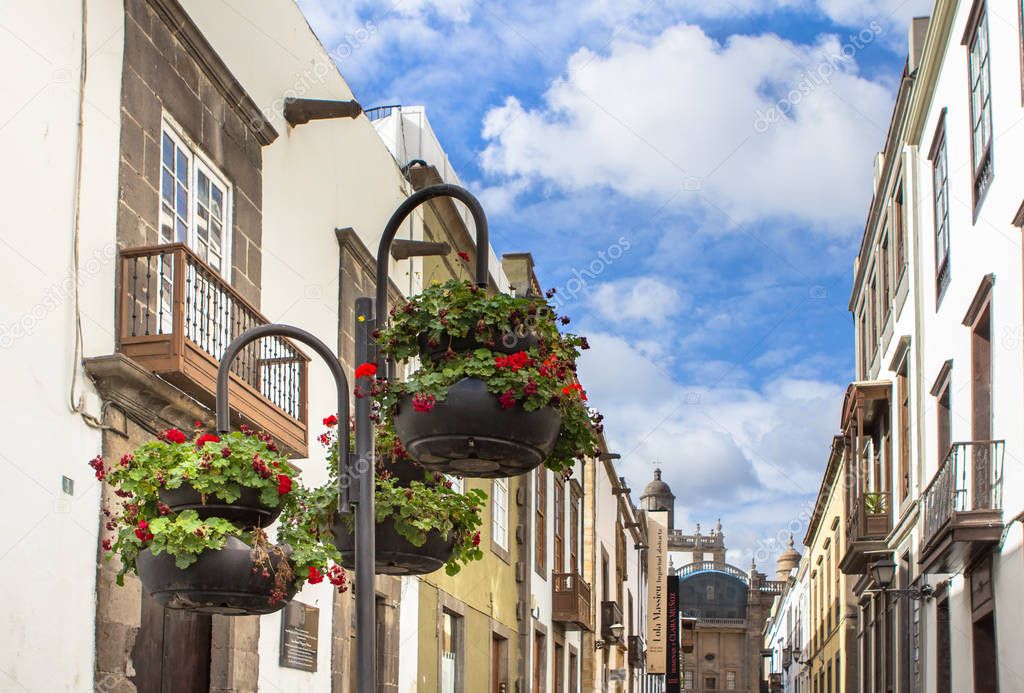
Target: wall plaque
299,624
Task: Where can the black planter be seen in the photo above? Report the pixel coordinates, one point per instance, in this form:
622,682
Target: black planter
470,434
395,555
219,582
247,511
508,343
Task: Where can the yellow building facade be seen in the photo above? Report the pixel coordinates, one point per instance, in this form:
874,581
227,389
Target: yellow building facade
829,657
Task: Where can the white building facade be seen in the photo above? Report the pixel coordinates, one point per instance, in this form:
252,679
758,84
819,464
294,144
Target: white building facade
935,488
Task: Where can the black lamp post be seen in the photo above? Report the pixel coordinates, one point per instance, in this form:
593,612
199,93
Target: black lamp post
361,475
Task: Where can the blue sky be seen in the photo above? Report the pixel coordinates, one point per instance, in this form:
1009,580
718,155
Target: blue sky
694,177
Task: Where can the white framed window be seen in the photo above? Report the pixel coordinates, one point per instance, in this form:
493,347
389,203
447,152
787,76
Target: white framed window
195,201
730,680
499,512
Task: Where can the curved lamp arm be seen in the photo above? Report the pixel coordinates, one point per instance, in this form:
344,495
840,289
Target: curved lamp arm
403,212
313,342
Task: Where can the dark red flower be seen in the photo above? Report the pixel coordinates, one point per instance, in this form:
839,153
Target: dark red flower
207,438
331,420
423,403
142,531
284,484
530,388
315,576
127,459
107,545
163,508
564,319
365,370
476,539
173,435
225,452
507,400
97,464
464,255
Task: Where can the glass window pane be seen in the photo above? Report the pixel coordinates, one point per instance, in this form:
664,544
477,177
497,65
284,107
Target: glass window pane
182,206
182,171
218,202
168,151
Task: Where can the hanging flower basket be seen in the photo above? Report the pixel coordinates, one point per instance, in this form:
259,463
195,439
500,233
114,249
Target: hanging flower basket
224,581
247,510
422,524
395,555
484,409
187,519
471,433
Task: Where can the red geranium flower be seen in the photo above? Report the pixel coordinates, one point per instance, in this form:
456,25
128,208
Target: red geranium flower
315,577
476,539
365,370
331,420
173,435
464,255
207,438
507,400
284,484
142,531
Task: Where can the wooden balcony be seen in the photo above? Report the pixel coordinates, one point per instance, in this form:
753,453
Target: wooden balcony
869,523
611,613
178,315
570,601
636,651
962,506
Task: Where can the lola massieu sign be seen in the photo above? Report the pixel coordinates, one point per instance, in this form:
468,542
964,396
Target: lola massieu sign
657,592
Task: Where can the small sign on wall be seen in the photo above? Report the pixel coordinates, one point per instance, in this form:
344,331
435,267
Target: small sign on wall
299,629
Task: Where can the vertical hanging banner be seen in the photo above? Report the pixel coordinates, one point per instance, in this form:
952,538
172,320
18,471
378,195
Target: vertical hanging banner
657,592
672,674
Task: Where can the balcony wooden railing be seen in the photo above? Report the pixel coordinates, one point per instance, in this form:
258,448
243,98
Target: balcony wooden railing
611,613
178,315
963,504
570,601
636,651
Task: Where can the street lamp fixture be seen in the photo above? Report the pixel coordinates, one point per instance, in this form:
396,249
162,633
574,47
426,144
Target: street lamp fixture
616,630
884,572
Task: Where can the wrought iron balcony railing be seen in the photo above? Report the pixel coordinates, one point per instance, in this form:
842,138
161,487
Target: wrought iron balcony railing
177,316
962,505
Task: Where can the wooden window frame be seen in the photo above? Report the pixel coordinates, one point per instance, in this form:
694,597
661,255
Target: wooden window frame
982,168
939,156
942,390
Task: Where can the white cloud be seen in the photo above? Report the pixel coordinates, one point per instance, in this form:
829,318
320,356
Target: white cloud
657,119
730,440
636,299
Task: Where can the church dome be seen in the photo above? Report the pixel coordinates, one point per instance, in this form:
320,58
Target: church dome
787,560
657,488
